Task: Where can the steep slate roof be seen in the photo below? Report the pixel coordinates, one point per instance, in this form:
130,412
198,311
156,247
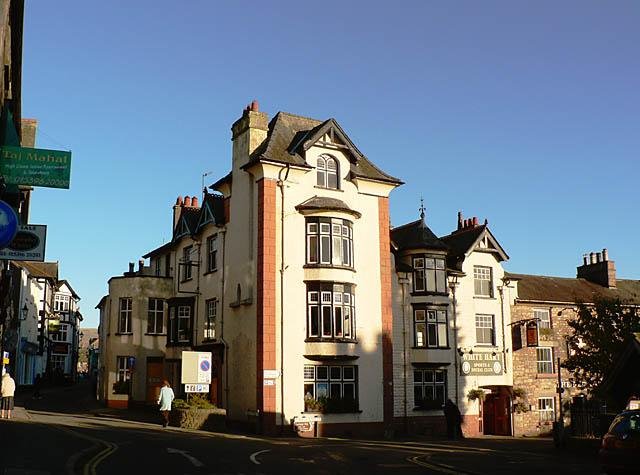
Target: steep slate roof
42,270
416,235
542,288
102,302
460,242
289,136
159,250
326,203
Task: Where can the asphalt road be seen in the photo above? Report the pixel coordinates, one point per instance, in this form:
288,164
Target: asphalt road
80,439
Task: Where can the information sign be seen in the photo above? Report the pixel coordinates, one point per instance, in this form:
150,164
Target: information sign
196,367
35,167
196,388
482,364
28,244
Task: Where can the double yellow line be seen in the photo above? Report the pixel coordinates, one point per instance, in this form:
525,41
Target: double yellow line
90,466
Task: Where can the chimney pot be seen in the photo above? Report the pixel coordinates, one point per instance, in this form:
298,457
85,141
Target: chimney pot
475,221
179,201
605,254
599,257
140,264
131,266
459,219
592,257
187,201
194,201
585,259
255,106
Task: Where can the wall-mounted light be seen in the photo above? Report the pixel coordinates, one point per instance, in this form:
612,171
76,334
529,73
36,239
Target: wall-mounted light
24,312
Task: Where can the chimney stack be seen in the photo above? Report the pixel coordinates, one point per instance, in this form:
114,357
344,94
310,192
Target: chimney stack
131,267
597,268
460,220
247,133
177,208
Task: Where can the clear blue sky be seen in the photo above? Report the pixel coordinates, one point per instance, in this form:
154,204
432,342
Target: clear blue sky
526,113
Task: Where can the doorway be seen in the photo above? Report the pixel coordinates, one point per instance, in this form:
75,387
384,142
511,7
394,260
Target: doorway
496,413
155,375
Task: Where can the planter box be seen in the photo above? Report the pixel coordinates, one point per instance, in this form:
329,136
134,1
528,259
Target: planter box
205,419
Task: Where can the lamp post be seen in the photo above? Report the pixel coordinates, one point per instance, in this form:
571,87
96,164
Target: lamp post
453,284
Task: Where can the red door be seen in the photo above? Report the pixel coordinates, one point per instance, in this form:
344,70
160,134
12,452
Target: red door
496,415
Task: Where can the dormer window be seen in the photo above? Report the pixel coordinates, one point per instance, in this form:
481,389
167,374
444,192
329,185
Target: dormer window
327,172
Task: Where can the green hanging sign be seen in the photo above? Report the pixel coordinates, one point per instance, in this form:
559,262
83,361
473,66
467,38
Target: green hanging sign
35,167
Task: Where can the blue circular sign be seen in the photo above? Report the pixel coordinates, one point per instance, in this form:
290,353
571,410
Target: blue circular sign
8,224
204,365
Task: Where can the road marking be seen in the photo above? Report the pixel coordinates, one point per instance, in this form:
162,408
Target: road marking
253,456
437,467
90,468
185,454
337,457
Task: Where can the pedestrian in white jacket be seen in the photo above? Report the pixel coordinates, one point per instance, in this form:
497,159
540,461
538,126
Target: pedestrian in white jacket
8,390
164,400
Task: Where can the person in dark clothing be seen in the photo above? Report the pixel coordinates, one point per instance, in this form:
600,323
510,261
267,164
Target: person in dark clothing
36,386
454,420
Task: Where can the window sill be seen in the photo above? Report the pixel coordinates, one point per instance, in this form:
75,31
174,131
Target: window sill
186,280
120,334
247,301
546,376
327,266
427,409
484,297
213,271
430,347
314,339
155,334
330,189
418,293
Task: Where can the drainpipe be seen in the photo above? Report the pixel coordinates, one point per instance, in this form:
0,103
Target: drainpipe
403,282
454,302
223,232
282,269
504,350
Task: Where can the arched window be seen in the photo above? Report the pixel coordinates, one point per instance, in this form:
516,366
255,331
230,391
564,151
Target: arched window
327,172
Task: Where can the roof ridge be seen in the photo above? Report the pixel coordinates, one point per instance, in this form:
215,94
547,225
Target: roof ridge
406,224
291,114
457,232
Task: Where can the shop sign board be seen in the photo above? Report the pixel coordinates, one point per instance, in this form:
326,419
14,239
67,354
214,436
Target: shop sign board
196,367
196,388
28,244
60,348
35,166
481,364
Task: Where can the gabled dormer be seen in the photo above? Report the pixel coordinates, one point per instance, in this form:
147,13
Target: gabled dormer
211,212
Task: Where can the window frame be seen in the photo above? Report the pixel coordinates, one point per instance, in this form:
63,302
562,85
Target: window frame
62,334
187,268
323,172
126,313
542,365
479,274
330,310
542,323
434,321
429,273
212,253
211,315
123,371
482,329
423,384
154,315
181,318
545,408
333,378
329,242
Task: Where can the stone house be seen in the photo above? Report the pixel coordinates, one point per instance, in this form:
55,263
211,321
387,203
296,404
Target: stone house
423,338
481,315
285,276
541,310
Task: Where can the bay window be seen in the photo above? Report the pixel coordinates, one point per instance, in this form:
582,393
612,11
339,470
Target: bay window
329,242
430,328
330,311
429,274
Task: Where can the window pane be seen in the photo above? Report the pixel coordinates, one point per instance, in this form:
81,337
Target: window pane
441,281
309,372
431,280
421,336
314,322
347,322
326,320
417,376
337,250
335,390
418,280
442,334
312,250
417,393
309,390
322,390
349,391
431,331
439,396
338,321
321,178
322,373
348,373
325,249
419,315
335,373
430,263
428,376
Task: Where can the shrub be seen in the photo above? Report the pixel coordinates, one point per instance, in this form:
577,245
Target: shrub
474,394
121,387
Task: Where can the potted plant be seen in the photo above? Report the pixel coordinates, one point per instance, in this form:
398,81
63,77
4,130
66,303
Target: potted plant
474,394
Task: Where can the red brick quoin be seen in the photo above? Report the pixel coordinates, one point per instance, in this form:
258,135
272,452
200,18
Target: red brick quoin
386,310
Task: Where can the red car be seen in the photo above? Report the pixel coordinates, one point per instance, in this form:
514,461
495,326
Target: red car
621,444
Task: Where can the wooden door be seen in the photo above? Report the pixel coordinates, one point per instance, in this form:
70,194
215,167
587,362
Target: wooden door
155,375
502,415
488,414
